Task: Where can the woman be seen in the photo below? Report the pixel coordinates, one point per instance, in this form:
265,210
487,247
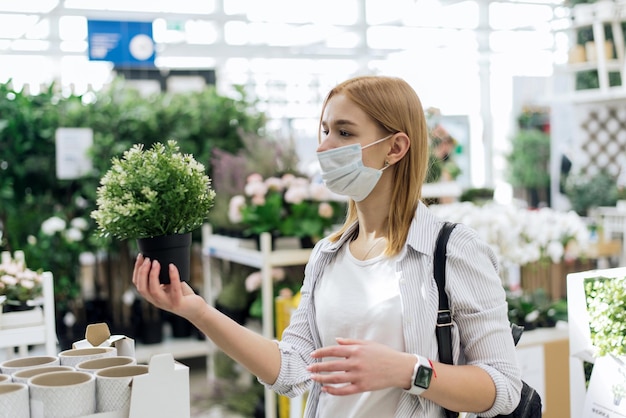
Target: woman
362,340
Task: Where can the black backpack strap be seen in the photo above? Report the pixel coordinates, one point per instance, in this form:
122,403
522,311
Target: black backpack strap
444,316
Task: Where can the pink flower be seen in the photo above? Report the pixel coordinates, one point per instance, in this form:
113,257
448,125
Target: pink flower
254,178
234,208
274,183
319,192
258,199
325,210
288,179
296,194
255,279
256,188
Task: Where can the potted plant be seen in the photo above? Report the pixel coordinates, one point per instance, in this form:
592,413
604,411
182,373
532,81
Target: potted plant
586,192
157,196
528,165
20,287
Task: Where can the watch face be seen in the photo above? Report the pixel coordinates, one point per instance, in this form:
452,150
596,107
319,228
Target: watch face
422,379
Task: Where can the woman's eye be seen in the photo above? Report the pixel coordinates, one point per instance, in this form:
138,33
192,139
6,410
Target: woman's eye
344,133
325,132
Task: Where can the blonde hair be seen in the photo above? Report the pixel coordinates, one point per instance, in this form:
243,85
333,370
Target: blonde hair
394,105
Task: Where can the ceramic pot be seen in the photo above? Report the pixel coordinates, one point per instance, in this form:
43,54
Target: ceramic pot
113,387
14,401
63,394
74,356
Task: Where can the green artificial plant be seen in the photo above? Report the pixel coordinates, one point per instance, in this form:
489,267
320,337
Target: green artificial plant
153,192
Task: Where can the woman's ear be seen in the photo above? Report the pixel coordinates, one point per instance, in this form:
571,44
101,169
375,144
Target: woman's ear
400,146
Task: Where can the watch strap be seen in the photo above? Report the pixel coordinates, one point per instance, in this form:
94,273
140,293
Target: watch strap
421,362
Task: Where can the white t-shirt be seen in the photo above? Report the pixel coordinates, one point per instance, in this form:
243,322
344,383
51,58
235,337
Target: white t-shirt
360,299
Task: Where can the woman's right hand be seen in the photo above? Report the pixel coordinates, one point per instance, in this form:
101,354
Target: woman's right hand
177,297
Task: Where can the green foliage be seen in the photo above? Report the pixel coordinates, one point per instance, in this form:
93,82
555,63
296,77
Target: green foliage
153,192
234,294
606,301
29,189
529,159
586,192
477,195
303,219
266,217
30,192
535,309
56,247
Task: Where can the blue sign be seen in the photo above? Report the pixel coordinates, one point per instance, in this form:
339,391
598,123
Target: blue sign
126,44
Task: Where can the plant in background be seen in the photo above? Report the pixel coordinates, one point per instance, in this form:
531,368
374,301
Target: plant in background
57,247
519,235
535,309
261,155
286,206
586,192
154,192
18,283
528,163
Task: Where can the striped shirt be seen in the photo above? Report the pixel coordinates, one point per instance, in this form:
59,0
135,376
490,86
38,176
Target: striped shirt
481,334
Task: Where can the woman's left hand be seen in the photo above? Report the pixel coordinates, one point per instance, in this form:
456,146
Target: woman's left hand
360,366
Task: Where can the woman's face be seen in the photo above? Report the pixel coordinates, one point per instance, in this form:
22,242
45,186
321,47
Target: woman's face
344,123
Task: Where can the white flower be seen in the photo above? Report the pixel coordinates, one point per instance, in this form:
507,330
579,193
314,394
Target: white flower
79,223
521,236
73,235
53,225
234,208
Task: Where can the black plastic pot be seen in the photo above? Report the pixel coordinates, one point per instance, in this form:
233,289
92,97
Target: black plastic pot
168,249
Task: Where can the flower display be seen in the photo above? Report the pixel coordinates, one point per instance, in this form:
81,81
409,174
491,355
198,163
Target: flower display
289,205
18,283
519,235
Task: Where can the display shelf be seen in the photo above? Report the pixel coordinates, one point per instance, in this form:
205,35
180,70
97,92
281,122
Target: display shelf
16,333
265,259
598,52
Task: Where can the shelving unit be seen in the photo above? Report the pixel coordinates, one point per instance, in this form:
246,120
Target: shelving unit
587,124
239,251
36,327
592,53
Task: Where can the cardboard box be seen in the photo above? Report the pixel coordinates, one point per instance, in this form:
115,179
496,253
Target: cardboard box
162,392
98,335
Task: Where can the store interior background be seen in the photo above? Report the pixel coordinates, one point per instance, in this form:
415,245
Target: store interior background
483,59
481,63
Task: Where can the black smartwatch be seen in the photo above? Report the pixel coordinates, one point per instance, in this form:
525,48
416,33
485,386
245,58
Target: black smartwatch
422,373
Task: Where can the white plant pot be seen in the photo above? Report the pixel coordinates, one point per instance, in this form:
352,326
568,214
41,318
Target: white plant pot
604,9
583,13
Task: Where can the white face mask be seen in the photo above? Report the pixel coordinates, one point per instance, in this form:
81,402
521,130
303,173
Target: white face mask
343,171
